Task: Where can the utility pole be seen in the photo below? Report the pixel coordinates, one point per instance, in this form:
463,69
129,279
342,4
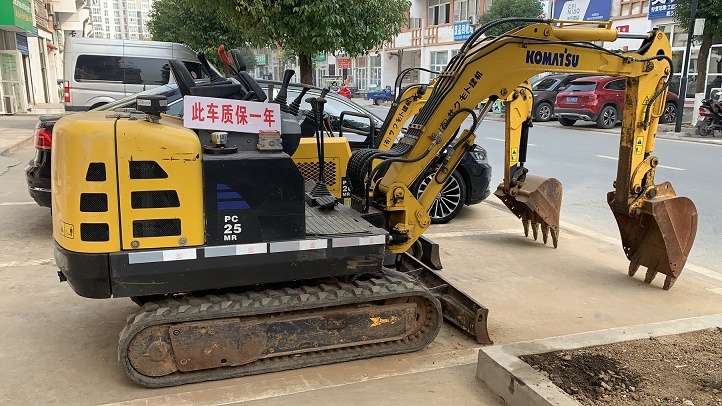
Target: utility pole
685,70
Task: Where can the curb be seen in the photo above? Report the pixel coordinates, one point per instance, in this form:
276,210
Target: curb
12,148
500,368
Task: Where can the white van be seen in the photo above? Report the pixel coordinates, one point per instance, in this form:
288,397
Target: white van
99,71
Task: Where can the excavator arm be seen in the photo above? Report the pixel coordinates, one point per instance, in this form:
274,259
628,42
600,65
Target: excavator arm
656,226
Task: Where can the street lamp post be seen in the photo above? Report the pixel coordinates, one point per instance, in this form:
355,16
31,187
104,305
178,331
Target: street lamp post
685,69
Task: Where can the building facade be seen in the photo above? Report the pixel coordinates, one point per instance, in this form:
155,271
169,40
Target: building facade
436,29
29,54
120,19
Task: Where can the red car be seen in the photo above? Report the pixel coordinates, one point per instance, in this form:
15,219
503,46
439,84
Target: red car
599,98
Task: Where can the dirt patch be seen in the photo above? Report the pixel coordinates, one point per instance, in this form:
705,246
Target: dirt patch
683,369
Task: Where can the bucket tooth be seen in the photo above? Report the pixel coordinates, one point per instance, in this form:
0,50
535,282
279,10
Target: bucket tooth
545,232
649,276
633,268
659,236
555,237
537,203
668,282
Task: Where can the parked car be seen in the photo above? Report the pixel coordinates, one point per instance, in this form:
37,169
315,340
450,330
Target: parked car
468,185
99,71
599,98
545,92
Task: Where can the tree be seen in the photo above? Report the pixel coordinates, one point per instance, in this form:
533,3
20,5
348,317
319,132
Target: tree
711,11
202,29
308,27
509,8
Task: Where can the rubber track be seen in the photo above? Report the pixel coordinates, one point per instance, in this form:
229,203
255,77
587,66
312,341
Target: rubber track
391,285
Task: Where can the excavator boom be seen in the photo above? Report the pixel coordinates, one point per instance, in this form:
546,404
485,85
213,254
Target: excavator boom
657,227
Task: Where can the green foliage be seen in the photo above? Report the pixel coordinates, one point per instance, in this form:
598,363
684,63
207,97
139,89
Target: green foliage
199,27
710,10
509,8
307,27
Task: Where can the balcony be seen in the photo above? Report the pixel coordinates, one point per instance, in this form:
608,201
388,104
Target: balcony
66,6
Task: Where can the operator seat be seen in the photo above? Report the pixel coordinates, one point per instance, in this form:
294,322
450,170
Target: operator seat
188,86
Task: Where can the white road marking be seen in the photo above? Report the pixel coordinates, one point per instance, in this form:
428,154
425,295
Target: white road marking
16,203
502,140
674,168
472,233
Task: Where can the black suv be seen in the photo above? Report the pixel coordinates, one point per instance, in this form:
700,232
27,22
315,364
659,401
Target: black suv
545,92
468,185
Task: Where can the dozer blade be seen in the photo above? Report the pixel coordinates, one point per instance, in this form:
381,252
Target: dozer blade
660,235
537,203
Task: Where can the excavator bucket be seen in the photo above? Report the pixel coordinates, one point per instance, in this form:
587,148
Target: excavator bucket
537,203
660,236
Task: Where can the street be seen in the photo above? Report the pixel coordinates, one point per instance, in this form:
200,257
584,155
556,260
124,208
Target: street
585,163
59,348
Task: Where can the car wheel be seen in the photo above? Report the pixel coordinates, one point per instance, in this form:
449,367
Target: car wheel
543,112
567,122
607,117
670,111
449,202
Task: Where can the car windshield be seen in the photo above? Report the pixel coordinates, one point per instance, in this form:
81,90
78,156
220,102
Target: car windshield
581,87
544,84
129,101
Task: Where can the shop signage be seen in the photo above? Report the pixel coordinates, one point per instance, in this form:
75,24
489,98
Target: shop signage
660,9
320,57
343,63
583,10
16,15
462,31
262,59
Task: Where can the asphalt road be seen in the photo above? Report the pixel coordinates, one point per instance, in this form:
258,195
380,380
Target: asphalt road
584,160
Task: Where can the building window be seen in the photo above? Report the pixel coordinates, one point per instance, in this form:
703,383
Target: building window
463,9
633,8
361,73
414,23
375,64
439,11
439,60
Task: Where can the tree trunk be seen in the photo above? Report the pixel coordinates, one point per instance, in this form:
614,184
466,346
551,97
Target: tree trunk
702,57
306,67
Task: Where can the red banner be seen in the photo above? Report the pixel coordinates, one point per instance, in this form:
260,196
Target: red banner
343,63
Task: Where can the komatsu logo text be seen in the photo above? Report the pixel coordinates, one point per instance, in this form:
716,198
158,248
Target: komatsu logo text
552,58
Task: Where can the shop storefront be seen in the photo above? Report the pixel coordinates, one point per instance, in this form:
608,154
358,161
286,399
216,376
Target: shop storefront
661,16
16,16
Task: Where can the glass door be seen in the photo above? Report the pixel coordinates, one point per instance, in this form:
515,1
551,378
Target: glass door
11,89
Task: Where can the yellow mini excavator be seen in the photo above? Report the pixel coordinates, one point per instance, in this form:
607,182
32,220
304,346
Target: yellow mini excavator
242,267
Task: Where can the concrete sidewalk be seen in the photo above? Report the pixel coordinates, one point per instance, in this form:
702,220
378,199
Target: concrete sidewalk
18,129
532,290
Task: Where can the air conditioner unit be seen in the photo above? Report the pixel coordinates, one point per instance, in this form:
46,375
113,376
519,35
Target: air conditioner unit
9,103
473,20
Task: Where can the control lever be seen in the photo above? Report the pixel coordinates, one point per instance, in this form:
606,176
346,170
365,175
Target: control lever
239,71
296,104
283,91
224,57
212,72
319,194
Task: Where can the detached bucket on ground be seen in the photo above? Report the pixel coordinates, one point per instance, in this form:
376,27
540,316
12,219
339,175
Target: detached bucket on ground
537,203
659,235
